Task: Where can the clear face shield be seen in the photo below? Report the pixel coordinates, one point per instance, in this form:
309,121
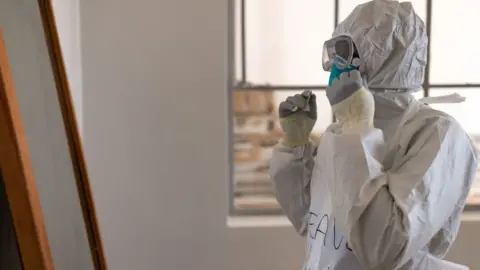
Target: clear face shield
339,51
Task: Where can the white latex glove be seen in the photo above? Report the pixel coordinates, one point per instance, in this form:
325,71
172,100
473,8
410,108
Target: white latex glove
298,115
352,104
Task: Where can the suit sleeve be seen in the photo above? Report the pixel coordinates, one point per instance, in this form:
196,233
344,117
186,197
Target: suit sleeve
291,172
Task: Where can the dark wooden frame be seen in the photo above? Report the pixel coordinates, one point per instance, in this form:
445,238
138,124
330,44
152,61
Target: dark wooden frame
15,163
18,176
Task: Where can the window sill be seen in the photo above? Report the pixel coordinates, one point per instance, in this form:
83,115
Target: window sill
257,221
471,216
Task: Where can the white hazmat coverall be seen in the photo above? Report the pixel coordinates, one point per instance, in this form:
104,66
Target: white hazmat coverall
391,196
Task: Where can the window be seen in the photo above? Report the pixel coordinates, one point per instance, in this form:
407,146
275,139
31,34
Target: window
454,54
346,6
276,53
278,46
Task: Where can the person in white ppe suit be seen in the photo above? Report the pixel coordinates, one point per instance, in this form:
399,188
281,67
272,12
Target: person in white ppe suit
385,186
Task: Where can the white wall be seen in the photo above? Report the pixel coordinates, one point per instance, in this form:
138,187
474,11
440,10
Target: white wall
152,70
67,16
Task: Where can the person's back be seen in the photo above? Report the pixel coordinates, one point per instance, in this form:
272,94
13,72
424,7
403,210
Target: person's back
384,191
399,131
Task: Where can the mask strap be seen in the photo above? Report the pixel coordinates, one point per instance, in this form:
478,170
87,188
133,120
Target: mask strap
445,99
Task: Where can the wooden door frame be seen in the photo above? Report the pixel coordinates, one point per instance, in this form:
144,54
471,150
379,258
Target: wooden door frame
73,135
16,167
18,177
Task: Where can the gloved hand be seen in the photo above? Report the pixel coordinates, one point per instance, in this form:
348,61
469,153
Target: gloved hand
352,104
298,115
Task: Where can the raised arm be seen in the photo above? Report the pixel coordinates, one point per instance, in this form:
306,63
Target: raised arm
292,161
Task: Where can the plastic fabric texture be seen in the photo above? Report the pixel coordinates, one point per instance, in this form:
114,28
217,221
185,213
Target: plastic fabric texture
391,40
391,198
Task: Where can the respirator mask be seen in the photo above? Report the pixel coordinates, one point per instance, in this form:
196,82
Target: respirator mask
339,55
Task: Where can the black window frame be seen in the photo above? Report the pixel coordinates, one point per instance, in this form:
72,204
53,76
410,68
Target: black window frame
235,85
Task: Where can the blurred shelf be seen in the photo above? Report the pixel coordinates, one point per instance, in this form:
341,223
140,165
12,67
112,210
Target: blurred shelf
250,179
256,136
250,114
256,202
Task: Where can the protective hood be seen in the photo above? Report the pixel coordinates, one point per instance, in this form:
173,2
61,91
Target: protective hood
392,42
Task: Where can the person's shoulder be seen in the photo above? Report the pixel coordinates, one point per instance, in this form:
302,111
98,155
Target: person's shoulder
447,129
428,117
427,125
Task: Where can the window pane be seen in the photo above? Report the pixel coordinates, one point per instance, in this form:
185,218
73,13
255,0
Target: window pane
284,41
454,54
256,132
347,6
464,113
